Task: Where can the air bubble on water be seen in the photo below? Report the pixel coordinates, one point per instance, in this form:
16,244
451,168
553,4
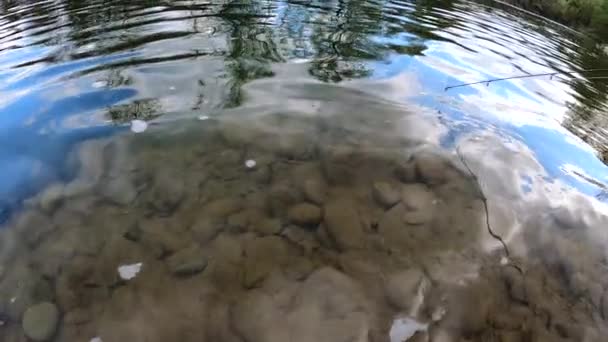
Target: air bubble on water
96,339
504,260
138,126
171,88
250,163
300,60
203,117
99,84
127,272
13,299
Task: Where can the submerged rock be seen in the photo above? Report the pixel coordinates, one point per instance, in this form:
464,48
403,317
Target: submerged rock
221,208
40,321
402,290
419,203
343,224
205,229
187,262
327,307
267,226
263,256
314,191
431,168
167,192
385,194
301,237
304,214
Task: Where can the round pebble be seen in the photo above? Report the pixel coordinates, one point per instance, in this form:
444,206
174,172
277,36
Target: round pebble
40,321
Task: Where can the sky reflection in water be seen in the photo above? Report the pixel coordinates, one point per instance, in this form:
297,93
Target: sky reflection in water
82,76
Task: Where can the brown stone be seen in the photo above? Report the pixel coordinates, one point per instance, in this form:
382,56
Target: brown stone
187,262
402,288
314,191
304,214
385,194
430,167
343,224
205,229
221,208
263,256
267,226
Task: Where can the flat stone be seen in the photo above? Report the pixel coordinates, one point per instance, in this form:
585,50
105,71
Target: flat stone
402,289
431,168
417,217
385,194
40,321
262,256
205,229
167,192
268,226
343,224
314,191
416,196
419,203
304,214
187,262
221,208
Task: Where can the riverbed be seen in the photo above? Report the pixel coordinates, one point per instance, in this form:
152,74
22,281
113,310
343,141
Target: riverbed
275,171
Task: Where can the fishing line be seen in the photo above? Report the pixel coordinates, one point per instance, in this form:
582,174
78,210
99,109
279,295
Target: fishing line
551,74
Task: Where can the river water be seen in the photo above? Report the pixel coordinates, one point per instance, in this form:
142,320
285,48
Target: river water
300,170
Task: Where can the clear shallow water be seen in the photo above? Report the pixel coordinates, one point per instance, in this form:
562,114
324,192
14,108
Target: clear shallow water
370,180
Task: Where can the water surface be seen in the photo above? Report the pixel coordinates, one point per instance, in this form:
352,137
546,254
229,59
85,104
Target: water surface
304,175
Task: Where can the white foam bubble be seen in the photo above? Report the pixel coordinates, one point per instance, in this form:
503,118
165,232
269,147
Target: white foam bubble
404,327
127,272
203,117
250,163
96,339
138,126
99,84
